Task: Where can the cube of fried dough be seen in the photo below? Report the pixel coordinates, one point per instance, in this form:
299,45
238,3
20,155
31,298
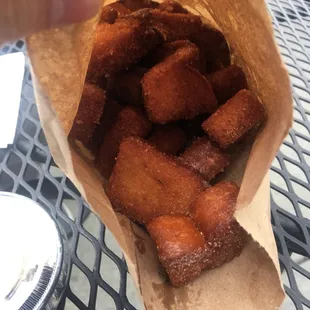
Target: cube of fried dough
119,45
112,11
131,121
180,247
173,91
227,82
189,54
127,86
111,110
175,26
183,51
108,15
171,6
170,48
215,207
213,46
120,7
235,118
168,139
206,157
213,214
192,128
226,243
171,26
135,5
89,113
146,183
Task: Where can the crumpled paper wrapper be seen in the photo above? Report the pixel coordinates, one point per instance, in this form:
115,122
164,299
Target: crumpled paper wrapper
59,60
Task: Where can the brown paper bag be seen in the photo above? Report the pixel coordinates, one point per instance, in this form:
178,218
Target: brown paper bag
252,281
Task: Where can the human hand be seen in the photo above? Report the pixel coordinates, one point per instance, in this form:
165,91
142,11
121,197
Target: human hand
19,18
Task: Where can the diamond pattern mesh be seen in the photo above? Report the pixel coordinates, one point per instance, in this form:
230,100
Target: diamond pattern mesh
27,168
290,172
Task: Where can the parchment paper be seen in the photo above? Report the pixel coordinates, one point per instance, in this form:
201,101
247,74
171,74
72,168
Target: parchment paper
59,60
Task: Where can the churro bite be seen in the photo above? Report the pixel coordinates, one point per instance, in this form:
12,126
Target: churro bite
206,157
180,245
171,26
111,110
168,139
183,51
171,6
224,245
192,127
188,54
213,46
126,86
108,15
145,183
216,205
131,121
213,214
227,82
173,91
185,26
235,118
89,113
135,5
175,26
119,45
112,11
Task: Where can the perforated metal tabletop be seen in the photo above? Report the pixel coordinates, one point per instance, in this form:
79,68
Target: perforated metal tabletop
99,278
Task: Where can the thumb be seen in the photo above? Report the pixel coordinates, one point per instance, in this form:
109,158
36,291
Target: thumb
20,18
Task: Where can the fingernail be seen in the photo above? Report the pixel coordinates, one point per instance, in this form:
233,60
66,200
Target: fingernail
73,11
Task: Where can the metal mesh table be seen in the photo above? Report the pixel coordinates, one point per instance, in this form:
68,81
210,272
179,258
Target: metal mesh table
27,168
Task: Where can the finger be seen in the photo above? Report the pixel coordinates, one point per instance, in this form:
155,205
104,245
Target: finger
20,18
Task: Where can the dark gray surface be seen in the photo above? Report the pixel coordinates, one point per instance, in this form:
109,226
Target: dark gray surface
290,173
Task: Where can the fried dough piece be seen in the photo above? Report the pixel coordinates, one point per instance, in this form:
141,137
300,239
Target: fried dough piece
180,247
206,157
192,128
120,7
213,46
227,82
235,118
112,11
119,45
131,121
111,110
127,86
171,6
175,26
183,50
89,113
213,214
171,26
108,15
135,5
215,207
146,183
187,55
170,48
173,91
224,245
109,117
168,139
